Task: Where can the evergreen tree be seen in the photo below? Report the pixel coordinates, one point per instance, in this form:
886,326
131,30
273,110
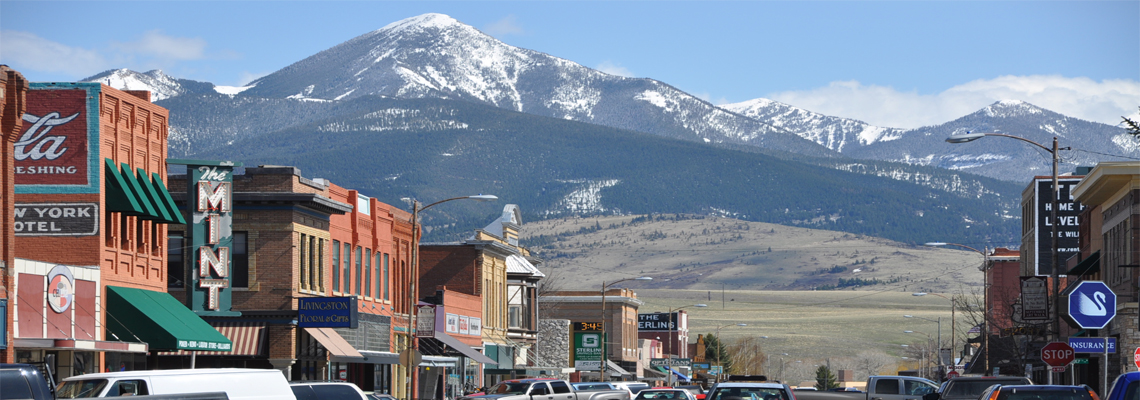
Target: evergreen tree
824,379
1133,127
716,353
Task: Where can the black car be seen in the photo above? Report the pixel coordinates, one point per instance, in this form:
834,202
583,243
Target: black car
326,391
970,387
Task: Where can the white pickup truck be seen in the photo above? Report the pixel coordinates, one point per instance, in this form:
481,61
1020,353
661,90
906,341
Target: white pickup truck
544,389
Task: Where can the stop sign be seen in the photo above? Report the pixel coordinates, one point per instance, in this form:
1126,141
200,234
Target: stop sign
1057,354
1136,357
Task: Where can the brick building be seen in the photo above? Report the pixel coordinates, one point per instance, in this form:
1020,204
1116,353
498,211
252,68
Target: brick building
13,102
309,238
1110,252
492,265
586,310
90,168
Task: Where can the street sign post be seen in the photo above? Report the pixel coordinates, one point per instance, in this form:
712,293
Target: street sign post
1057,354
1092,305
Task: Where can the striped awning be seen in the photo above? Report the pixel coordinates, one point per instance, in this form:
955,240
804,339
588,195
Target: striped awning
248,338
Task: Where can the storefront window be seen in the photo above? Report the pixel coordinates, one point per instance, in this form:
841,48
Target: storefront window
174,263
240,258
336,266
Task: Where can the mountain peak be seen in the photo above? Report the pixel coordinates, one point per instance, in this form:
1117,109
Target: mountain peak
429,20
1011,108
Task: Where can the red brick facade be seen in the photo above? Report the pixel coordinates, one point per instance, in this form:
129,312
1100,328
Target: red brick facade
13,90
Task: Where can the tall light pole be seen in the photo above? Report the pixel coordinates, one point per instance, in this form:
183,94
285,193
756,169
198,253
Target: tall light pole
720,344
605,357
669,353
985,299
939,322
953,330
413,344
1055,270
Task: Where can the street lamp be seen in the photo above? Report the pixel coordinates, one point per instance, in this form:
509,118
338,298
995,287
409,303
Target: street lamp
953,330
985,299
415,276
1055,270
669,353
605,357
939,347
720,345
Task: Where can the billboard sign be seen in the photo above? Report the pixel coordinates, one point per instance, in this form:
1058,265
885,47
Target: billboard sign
1034,299
209,190
588,347
657,322
56,152
326,312
1068,231
57,219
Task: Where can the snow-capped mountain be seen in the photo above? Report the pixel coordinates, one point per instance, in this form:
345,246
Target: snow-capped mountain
435,56
833,132
1004,158
160,85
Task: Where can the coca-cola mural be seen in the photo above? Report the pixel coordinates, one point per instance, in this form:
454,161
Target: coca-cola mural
53,148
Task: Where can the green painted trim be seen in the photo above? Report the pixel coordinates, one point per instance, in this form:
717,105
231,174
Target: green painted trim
119,197
175,213
161,213
148,212
215,163
159,320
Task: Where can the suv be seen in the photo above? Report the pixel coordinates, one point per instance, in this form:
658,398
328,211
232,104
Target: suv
749,390
970,387
326,391
1039,392
24,381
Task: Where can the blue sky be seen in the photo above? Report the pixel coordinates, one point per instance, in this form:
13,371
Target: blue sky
890,63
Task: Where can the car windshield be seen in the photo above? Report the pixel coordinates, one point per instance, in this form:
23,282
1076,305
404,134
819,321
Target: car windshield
1030,394
749,393
509,388
975,388
80,388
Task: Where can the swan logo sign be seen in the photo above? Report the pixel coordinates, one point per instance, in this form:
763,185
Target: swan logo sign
1092,305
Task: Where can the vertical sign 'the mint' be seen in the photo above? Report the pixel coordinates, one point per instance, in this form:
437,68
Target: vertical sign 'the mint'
209,194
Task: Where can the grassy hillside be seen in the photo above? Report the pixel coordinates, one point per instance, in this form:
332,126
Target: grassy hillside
710,253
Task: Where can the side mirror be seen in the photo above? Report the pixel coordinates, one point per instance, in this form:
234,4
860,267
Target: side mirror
930,396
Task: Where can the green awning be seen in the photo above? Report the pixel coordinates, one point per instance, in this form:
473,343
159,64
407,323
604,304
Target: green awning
137,194
167,200
137,189
119,196
1090,265
159,320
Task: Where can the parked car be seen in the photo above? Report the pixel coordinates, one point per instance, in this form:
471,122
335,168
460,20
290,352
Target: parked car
697,390
24,381
750,390
666,394
380,396
632,387
326,391
970,387
592,386
533,389
236,383
890,387
1125,387
1039,392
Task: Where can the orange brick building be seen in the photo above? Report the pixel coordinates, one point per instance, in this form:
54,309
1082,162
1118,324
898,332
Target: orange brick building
13,102
90,224
297,238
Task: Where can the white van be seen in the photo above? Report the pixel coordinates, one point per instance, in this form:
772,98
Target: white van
237,383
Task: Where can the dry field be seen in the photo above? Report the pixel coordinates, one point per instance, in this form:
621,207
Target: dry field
761,275
711,253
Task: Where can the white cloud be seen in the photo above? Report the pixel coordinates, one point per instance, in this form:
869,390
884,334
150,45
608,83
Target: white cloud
1105,101
503,27
27,52
155,44
612,68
